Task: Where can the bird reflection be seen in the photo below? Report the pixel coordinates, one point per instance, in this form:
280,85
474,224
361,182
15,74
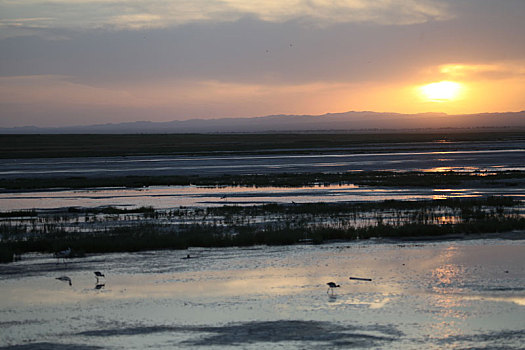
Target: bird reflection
100,285
332,298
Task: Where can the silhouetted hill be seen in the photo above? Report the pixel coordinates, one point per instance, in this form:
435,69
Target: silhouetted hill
348,121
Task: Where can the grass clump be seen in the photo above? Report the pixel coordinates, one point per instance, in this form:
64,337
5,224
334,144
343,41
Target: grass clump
370,178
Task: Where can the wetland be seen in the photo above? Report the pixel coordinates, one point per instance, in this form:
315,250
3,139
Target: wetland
205,243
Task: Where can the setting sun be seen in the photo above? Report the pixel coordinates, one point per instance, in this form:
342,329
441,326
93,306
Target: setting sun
441,91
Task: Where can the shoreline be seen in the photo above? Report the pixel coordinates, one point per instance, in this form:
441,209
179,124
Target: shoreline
13,270
122,145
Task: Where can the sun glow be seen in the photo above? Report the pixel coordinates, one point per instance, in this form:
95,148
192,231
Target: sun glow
441,91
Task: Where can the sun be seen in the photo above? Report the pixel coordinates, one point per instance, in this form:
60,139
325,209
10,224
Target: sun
441,91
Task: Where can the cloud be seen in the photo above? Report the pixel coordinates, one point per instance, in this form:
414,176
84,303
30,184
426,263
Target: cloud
497,70
23,15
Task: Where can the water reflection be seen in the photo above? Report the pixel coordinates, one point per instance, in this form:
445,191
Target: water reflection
168,197
332,298
445,169
446,276
518,299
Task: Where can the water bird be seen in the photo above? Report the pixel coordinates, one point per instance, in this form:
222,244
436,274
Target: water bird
98,274
331,286
65,279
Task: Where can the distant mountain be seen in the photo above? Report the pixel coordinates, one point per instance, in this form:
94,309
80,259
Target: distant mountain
348,121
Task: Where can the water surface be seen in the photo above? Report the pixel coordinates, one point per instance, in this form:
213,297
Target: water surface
459,294
466,156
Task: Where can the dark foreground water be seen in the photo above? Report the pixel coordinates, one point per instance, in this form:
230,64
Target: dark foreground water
432,295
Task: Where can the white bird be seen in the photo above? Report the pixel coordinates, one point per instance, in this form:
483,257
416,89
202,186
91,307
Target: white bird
331,286
65,279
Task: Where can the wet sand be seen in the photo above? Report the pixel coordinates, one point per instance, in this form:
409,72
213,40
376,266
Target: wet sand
442,294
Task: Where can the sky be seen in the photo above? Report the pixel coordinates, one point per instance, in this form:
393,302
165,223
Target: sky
80,62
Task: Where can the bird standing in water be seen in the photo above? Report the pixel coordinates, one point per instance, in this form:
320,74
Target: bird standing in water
98,274
331,286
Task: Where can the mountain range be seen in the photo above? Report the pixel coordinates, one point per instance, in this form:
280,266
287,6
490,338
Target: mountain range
330,122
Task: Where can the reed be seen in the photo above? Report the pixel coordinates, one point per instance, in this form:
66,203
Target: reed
371,178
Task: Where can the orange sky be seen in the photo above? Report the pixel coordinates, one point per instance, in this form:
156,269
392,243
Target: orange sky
79,62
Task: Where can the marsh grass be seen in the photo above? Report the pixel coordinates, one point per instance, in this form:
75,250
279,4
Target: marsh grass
371,178
152,237
114,230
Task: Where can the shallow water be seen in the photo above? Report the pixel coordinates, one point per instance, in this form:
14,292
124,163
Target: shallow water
168,197
457,294
432,156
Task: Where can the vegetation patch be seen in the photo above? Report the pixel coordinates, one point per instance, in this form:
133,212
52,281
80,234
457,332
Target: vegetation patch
109,229
372,178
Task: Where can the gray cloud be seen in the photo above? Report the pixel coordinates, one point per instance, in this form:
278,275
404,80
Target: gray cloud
27,15
251,50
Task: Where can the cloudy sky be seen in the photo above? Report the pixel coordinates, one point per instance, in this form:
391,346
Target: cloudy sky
78,62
